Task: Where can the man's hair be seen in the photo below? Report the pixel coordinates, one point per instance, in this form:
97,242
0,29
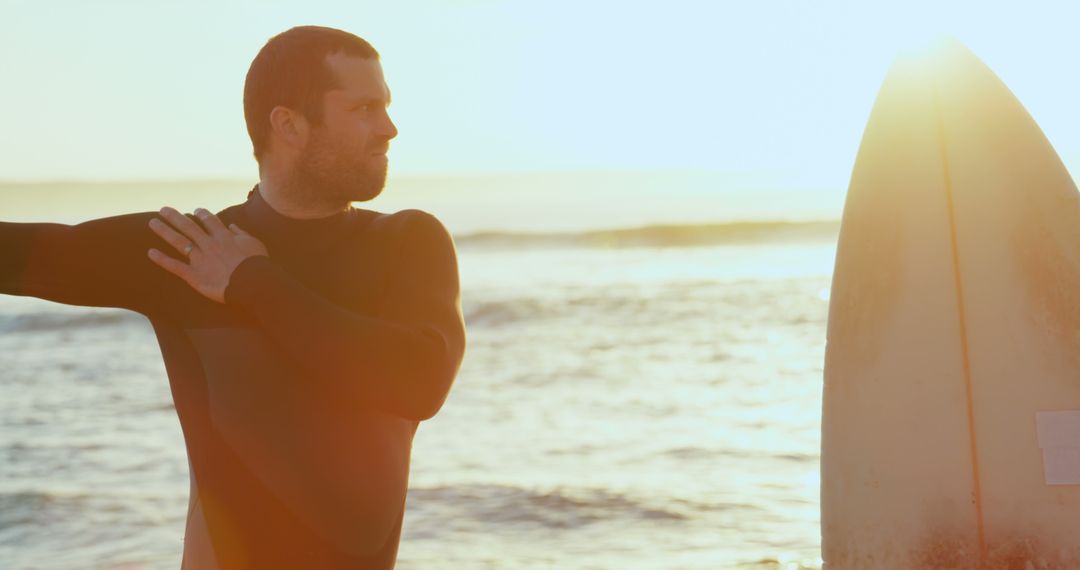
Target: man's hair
291,70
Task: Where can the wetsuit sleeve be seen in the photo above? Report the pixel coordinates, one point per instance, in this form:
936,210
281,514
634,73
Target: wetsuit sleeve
99,263
402,359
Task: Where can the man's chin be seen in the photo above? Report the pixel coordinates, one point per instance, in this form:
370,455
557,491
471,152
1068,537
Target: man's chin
368,192
366,195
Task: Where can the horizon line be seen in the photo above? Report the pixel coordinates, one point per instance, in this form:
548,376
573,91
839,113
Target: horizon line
406,176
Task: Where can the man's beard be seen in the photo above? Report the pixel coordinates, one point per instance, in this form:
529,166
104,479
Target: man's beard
324,174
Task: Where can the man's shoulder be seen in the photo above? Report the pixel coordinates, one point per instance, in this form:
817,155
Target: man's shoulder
404,224
230,213
133,228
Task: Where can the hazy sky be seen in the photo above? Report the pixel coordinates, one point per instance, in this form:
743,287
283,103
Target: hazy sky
131,89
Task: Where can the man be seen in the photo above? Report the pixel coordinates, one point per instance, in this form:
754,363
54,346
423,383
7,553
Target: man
304,339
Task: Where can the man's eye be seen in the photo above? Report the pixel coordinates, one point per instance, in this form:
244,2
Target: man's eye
362,108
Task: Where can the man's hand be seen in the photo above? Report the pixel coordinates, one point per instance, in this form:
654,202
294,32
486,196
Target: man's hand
213,253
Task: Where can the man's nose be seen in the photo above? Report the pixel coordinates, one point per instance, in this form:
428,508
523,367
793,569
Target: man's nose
388,129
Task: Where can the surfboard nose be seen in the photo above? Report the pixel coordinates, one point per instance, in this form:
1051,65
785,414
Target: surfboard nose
942,95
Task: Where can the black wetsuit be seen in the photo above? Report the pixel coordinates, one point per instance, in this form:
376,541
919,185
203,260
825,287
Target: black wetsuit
299,396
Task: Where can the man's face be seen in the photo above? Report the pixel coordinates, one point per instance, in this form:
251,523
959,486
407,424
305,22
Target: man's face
345,156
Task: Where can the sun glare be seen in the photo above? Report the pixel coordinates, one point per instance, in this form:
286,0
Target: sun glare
924,46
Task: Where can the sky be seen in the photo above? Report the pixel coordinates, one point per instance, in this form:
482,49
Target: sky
136,90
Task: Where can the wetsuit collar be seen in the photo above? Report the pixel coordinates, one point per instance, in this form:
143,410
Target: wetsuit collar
283,234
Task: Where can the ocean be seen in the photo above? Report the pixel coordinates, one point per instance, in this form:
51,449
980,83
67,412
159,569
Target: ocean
636,393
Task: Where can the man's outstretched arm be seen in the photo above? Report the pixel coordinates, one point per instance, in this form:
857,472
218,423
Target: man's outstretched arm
99,263
402,359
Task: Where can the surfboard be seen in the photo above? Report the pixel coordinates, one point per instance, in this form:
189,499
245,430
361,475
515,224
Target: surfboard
951,405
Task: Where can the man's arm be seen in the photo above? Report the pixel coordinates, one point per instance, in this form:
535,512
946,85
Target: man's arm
404,358
99,263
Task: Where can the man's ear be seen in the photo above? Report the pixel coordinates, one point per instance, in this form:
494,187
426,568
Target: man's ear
289,126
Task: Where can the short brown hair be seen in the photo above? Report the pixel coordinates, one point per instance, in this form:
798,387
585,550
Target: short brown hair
291,70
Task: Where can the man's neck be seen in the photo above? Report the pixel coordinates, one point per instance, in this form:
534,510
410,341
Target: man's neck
295,202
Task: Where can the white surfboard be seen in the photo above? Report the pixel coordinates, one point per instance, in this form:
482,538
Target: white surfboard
951,421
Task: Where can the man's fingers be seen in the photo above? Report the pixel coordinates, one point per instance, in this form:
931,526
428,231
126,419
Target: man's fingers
171,236
178,268
237,230
211,222
186,226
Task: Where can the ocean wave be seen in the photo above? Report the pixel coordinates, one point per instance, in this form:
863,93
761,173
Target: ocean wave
672,235
50,321
28,507
528,309
559,508
622,305
18,509
495,313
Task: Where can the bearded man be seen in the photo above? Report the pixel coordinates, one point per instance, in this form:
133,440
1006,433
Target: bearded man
304,339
